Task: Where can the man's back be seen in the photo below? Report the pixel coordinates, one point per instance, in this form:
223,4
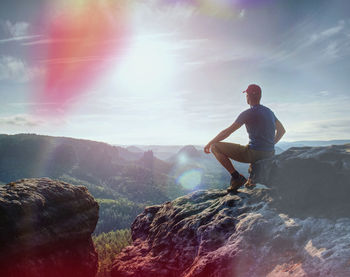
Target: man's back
260,123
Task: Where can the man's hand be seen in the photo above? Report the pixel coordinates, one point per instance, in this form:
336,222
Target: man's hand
222,135
207,149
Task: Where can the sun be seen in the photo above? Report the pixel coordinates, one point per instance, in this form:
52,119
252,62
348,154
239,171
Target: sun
148,66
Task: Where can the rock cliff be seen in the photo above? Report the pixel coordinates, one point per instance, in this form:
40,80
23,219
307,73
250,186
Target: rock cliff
279,229
45,229
308,181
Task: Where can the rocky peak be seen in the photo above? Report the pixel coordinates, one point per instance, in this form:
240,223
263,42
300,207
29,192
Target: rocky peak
258,232
189,150
135,149
45,229
147,160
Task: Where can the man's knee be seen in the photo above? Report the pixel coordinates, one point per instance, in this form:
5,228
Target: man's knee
215,148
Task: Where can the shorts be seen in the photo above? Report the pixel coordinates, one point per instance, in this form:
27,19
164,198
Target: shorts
240,153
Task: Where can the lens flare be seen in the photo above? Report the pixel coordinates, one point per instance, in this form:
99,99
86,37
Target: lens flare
82,37
147,67
190,179
182,159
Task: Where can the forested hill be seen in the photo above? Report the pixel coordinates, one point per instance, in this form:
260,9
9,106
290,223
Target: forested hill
26,155
123,182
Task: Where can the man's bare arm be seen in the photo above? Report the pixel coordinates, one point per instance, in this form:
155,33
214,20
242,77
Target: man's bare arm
280,131
222,135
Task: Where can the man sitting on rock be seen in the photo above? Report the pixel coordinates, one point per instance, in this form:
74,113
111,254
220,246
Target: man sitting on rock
264,130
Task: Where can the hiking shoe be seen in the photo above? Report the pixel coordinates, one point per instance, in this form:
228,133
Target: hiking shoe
236,183
249,184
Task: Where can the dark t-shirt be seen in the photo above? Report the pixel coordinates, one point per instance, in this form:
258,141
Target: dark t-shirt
260,122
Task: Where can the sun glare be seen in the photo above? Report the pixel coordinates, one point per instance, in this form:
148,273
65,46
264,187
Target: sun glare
148,66
190,179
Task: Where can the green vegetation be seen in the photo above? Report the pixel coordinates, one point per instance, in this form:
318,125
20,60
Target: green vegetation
97,190
107,246
116,214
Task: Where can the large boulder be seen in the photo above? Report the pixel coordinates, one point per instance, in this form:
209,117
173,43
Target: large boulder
308,181
45,229
251,234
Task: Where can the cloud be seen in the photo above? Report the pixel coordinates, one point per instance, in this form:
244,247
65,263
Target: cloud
151,16
212,8
18,38
324,93
50,41
303,46
17,29
322,118
329,32
20,120
313,102
15,69
320,130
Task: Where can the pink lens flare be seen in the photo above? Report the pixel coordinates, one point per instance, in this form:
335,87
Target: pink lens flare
78,47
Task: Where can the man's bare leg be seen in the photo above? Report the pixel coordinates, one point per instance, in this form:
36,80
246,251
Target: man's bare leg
225,161
237,180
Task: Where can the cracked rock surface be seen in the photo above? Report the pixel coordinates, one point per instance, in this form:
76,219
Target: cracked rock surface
267,231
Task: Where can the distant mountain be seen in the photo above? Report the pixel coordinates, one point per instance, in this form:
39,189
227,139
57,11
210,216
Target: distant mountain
159,168
287,144
186,152
190,150
129,155
134,149
162,152
278,150
160,148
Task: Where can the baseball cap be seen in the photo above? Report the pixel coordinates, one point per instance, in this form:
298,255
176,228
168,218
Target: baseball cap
253,90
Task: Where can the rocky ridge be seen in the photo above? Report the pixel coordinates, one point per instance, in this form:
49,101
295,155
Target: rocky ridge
295,223
45,229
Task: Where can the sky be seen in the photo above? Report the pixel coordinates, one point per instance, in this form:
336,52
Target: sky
172,72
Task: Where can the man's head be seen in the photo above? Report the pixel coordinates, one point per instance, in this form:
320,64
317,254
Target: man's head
253,94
